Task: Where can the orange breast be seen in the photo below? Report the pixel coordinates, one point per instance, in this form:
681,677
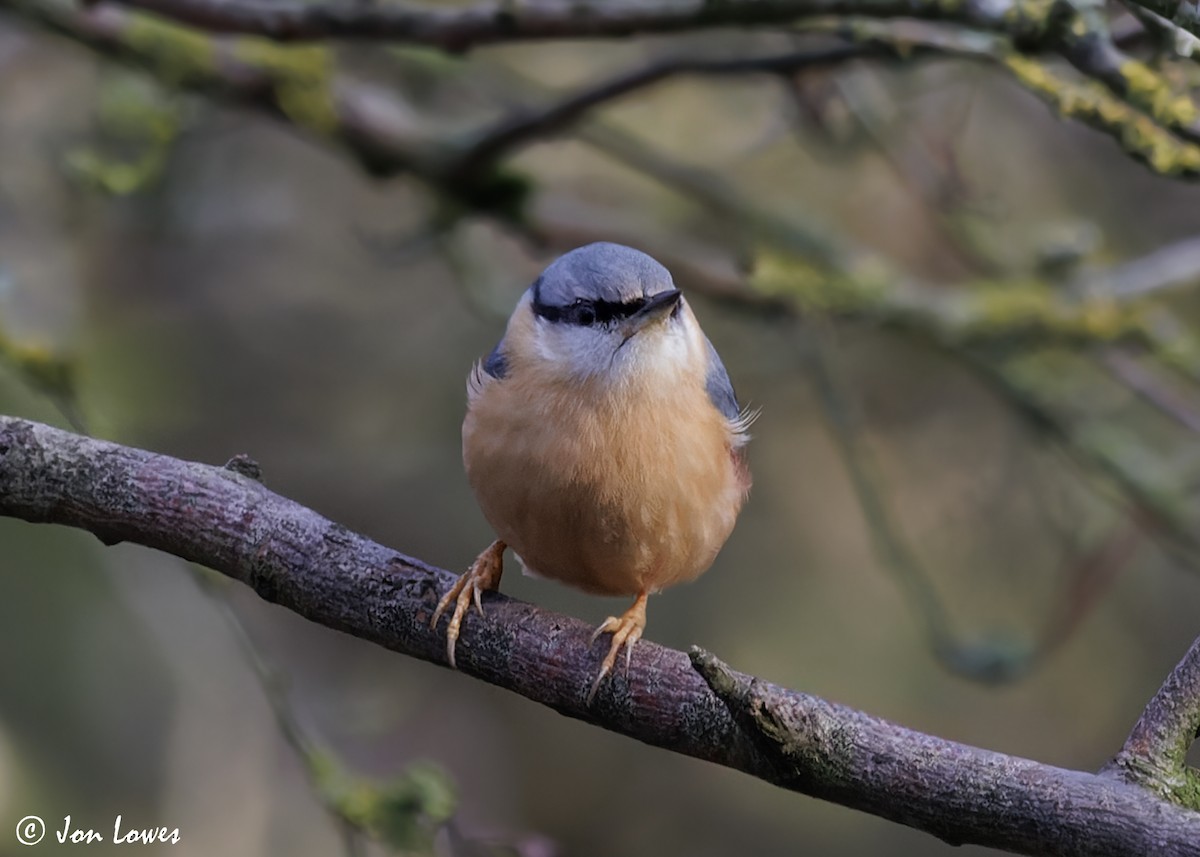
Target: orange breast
615,491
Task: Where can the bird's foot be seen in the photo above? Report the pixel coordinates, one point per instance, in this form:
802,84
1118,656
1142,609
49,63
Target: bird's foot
626,630
484,574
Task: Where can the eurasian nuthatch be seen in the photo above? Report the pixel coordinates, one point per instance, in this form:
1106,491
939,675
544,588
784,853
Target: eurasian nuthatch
602,440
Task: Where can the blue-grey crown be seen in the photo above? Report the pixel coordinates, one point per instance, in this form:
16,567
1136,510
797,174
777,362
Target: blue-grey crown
598,282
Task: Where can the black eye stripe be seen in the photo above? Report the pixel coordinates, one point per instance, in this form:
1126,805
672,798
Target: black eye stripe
585,313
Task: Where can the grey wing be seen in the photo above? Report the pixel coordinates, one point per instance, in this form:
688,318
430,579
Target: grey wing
496,364
719,387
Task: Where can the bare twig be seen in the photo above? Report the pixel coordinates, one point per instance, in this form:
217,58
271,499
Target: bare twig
1146,384
492,142
943,199
1181,13
274,687
291,556
1087,578
1174,266
1168,35
976,661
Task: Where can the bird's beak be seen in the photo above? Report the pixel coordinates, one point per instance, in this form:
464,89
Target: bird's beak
658,307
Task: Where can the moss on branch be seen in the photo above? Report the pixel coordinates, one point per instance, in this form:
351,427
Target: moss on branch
986,312
1089,102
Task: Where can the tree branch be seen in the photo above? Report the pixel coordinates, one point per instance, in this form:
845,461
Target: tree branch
464,27
496,140
1155,752
1174,266
292,556
830,751
1147,384
1181,13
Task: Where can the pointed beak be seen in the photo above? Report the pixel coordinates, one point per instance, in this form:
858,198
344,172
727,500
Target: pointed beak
655,309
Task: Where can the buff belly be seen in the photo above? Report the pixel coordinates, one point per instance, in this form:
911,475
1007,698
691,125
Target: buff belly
588,496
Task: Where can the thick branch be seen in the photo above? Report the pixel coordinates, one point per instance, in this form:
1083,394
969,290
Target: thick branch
292,556
828,750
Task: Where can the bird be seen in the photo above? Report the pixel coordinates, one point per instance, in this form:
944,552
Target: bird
602,440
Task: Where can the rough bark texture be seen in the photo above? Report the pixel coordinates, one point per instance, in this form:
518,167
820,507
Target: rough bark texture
1154,756
292,556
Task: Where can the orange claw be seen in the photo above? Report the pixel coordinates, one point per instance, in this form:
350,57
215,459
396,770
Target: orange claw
484,574
626,630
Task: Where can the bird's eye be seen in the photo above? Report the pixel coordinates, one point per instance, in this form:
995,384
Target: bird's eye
585,313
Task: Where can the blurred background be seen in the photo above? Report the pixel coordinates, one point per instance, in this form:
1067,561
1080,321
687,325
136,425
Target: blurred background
981,540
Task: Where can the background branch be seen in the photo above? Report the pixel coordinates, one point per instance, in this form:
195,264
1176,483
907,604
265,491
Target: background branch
292,556
1178,12
459,29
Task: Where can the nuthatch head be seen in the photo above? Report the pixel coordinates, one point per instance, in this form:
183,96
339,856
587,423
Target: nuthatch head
603,439
603,309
